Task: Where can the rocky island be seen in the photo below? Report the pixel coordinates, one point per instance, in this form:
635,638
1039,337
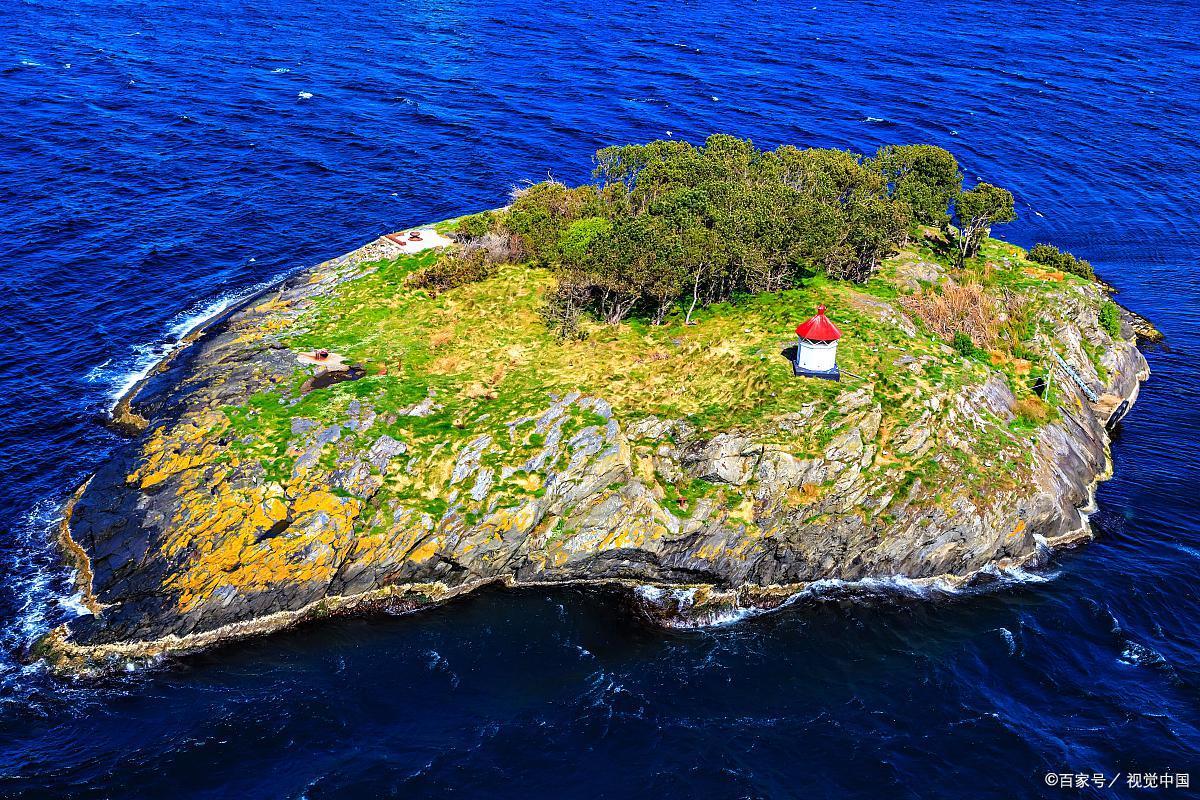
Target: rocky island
597,385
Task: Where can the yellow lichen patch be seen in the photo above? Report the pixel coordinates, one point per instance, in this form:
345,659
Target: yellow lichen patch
744,510
715,552
274,304
529,481
1019,529
225,548
184,446
805,495
269,325
426,550
206,516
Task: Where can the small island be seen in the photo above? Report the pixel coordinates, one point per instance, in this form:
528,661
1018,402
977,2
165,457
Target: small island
600,385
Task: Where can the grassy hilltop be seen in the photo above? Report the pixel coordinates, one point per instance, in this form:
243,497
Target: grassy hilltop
484,354
926,308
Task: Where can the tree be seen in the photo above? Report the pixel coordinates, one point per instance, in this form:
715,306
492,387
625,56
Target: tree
922,175
541,213
576,241
875,226
1052,257
975,212
670,222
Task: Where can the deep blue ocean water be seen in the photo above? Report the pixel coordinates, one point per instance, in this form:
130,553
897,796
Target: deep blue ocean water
159,160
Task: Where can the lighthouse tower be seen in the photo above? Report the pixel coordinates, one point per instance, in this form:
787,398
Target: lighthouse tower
816,352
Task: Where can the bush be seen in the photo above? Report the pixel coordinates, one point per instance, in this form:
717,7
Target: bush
963,344
563,312
1110,318
451,270
473,226
576,241
1032,409
1050,256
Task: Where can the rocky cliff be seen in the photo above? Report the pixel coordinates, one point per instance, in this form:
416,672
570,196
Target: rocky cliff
252,496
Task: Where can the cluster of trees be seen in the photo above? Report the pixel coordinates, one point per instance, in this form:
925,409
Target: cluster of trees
668,223
1050,256
451,270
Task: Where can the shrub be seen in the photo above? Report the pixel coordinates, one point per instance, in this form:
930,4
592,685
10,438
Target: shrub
451,270
576,241
473,226
563,311
1110,318
963,344
1050,256
1032,409
957,309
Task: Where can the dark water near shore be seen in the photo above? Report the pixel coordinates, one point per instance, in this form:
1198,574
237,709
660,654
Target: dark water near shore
159,160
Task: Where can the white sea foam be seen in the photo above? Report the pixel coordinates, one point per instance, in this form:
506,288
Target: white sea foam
721,617
74,604
120,376
681,600
305,95
38,584
280,70
988,579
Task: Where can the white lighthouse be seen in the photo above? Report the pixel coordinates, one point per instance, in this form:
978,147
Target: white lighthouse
816,351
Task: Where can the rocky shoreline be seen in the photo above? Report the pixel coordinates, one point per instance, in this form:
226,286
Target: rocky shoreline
601,516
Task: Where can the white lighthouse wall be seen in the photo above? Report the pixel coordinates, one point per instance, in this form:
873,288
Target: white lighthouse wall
817,356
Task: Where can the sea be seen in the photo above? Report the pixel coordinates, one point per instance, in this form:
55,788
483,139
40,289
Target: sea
161,160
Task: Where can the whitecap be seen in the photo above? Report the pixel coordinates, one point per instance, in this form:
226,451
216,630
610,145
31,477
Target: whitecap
680,601
1136,654
74,604
305,95
121,376
38,583
280,70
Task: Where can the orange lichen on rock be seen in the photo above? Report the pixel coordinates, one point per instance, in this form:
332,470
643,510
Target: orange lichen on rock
183,447
250,539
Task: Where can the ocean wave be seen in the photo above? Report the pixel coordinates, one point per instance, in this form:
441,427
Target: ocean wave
678,604
38,586
122,375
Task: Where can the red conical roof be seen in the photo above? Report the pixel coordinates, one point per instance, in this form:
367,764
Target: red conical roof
819,328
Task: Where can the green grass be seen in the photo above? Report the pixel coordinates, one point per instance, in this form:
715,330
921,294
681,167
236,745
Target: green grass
483,353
